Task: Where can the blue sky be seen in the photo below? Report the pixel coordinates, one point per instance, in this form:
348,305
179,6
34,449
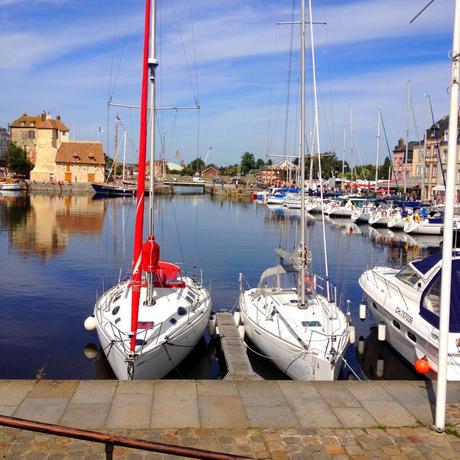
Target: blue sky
67,57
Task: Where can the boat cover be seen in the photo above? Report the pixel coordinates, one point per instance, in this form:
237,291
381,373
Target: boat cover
433,318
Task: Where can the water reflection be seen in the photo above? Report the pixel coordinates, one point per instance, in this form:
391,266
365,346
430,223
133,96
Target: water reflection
43,224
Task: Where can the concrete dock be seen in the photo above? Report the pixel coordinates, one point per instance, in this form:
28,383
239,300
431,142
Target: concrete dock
260,419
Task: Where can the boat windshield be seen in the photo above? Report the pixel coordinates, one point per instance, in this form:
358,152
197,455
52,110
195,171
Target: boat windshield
408,276
284,281
432,298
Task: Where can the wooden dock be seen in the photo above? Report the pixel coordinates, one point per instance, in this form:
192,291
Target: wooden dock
236,358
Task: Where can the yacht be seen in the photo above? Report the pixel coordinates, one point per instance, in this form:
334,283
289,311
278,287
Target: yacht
407,303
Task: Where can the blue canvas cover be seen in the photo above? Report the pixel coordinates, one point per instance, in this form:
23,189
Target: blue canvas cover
425,265
454,320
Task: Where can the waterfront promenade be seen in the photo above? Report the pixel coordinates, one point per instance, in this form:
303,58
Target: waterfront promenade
259,419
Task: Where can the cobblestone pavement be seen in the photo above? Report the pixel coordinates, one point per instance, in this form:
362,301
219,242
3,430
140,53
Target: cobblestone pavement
263,420
277,444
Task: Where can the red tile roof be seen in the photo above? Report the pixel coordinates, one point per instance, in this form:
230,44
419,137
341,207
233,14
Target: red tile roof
32,121
81,153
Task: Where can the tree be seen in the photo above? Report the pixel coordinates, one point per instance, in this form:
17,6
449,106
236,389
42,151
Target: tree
260,163
16,160
383,170
247,162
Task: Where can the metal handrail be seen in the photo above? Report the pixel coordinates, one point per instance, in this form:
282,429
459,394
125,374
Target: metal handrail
388,285
110,440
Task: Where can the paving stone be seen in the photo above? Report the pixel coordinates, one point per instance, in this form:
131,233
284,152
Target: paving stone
40,410
13,392
135,387
354,417
130,411
261,393
336,394
368,391
221,411
389,413
175,405
414,396
274,416
217,388
7,410
50,389
85,416
316,414
95,391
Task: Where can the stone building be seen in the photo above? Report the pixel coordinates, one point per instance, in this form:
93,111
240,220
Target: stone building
437,137
4,137
40,136
79,162
400,163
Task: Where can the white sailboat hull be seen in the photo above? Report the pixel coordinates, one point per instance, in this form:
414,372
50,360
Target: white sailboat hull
168,339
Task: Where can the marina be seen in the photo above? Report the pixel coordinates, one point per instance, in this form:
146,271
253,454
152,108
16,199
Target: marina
91,238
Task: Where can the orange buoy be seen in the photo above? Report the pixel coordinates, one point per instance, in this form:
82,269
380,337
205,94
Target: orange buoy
422,366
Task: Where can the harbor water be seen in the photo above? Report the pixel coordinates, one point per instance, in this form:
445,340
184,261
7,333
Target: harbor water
59,252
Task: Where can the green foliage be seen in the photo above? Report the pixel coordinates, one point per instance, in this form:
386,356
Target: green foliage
260,163
248,162
331,166
383,170
16,160
231,170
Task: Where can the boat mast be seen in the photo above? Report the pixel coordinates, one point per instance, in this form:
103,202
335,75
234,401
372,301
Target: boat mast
446,274
124,156
136,277
406,154
302,157
152,64
378,153
316,123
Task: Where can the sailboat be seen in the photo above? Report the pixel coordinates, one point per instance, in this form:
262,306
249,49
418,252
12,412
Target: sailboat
148,323
304,333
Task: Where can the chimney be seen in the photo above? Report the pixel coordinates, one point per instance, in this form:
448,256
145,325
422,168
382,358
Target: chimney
58,117
43,116
48,116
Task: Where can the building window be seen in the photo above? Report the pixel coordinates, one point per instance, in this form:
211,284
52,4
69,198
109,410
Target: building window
31,135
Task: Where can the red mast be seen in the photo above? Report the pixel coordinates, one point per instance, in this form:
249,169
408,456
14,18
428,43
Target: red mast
136,277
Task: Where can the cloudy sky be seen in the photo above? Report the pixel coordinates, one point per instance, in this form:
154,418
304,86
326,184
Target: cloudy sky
231,57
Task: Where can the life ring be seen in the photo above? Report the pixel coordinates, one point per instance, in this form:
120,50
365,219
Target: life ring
384,213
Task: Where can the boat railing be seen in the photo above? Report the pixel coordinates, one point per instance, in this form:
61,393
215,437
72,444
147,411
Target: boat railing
389,286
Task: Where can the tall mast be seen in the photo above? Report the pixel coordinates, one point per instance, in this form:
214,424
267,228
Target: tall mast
124,156
409,99
446,274
316,123
136,277
377,153
302,156
422,192
115,157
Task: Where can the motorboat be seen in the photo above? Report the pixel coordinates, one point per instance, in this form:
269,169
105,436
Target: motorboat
428,223
406,303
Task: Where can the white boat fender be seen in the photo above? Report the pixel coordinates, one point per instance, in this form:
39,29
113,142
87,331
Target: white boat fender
237,317
90,351
381,331
212,326
380,366
90,323
241,331
362,311
361,346
352,333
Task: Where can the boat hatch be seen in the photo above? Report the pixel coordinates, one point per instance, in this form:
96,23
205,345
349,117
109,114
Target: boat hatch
425,265
431,298
311,324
